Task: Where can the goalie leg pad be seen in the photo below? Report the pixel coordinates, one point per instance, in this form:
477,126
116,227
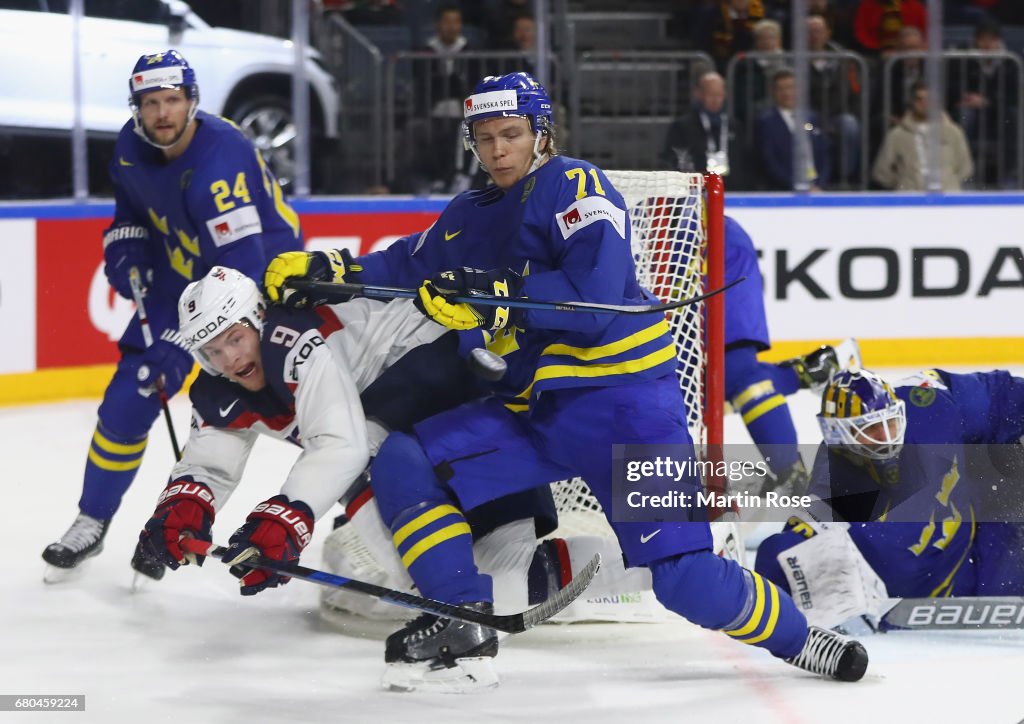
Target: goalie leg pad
719,594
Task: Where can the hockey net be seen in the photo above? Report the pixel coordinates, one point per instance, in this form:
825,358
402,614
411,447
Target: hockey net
677,237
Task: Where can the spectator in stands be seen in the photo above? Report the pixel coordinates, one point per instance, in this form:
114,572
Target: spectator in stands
905,73
439,162
902,163
877,24
984,96
443,87
500,17
751,94
774,134
703,139
834,90
725,28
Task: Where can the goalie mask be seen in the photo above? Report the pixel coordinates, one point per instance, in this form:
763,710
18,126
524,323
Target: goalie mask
210,306
162,71
861,413
511,95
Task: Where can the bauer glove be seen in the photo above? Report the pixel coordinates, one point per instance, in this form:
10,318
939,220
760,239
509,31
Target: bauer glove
277,529
185,507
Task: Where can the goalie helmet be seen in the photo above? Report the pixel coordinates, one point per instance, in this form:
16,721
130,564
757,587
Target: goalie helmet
512,95
861,413
210,306
161,71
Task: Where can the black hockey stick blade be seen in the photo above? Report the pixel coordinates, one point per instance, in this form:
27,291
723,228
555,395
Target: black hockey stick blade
956,613
509,623
334,292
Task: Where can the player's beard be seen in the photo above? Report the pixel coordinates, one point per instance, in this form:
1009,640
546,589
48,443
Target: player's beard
167,140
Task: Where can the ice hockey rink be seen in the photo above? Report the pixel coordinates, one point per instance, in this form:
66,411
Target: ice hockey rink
190,649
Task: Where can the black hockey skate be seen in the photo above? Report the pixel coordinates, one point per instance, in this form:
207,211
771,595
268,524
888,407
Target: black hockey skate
83,539
146,564
815,369
438,653
828,654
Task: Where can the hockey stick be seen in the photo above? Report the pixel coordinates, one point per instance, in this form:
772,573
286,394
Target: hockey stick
334,292
956,613
135,279
509,623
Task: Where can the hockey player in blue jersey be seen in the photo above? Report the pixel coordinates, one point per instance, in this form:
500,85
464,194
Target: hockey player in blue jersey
550,227
190,192
896,469
758,390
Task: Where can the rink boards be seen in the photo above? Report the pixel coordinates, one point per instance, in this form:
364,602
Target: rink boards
920,280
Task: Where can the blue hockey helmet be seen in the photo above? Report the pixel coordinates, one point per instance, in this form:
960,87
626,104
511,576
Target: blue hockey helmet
861,413
511,95
161,71
514,94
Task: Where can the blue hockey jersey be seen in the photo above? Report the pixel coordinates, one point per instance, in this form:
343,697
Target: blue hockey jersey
216,204
565,228
922,501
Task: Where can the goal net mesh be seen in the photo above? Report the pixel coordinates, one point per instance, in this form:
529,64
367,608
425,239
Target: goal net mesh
669,239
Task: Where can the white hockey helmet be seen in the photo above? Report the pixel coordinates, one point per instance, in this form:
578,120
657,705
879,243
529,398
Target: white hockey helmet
207,307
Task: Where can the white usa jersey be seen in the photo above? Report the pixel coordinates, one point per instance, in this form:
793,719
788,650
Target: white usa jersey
316,364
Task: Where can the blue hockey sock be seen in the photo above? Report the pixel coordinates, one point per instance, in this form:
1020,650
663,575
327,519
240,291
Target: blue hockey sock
111,467
430,533
719,594
751,388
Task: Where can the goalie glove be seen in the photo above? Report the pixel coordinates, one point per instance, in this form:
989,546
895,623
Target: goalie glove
185,507
318,266
433,294
278,529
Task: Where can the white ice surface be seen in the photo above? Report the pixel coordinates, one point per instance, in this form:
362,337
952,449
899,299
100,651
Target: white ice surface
190,649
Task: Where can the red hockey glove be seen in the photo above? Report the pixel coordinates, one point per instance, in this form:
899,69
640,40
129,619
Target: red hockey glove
278,529
184,507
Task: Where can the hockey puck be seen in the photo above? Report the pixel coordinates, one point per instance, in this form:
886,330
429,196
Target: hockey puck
486,365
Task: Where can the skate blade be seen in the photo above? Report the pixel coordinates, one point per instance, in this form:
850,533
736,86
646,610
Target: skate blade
54,575
140,582
471,675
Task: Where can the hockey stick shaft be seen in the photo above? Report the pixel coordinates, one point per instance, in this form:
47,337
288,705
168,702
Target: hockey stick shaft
956,613
334,292
135,279
509,623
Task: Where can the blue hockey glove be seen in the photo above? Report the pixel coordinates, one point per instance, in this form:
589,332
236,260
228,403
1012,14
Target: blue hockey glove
126,246
465,281
165,363
278,529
